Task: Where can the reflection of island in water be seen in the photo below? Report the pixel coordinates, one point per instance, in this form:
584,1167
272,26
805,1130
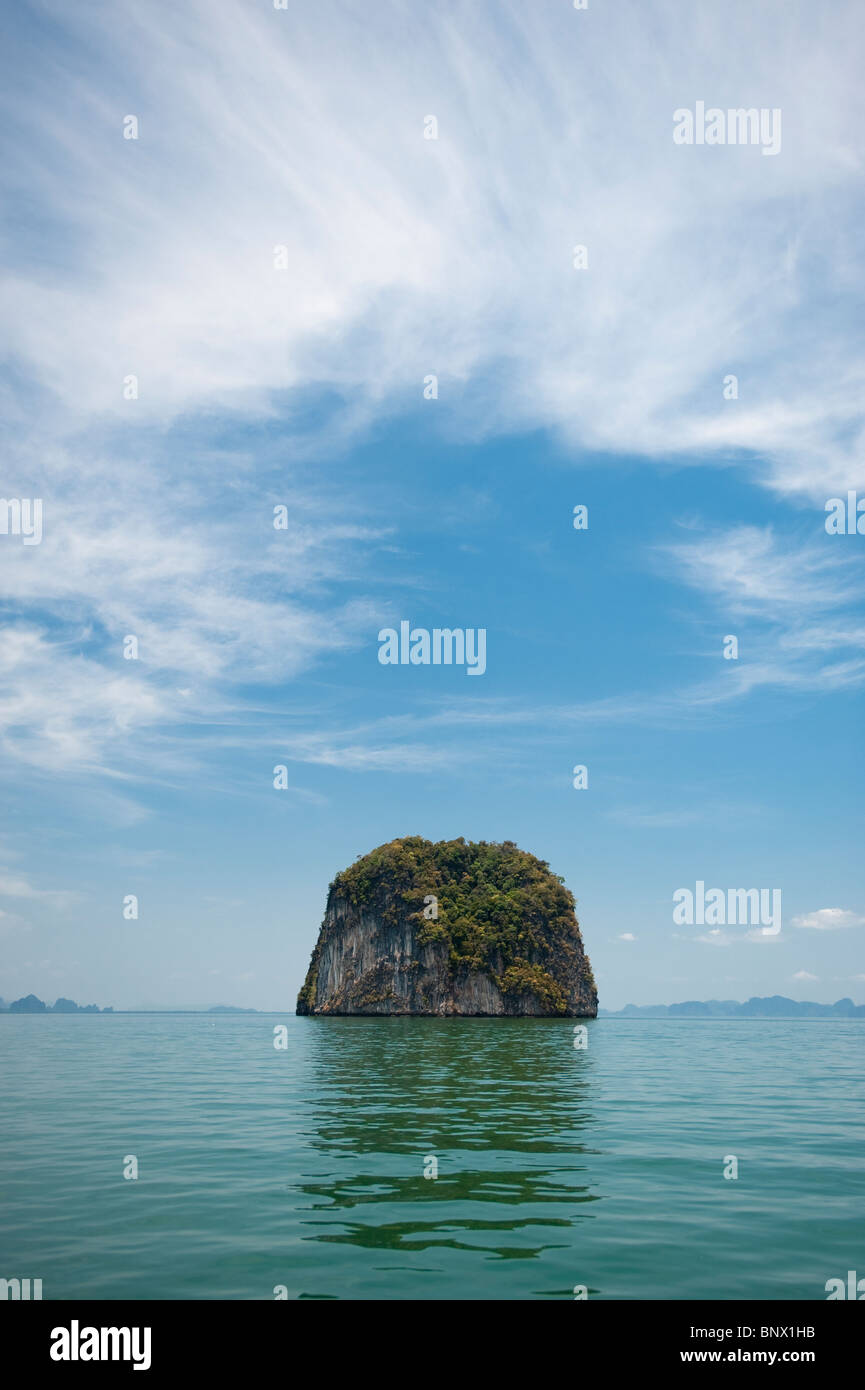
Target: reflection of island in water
497,1109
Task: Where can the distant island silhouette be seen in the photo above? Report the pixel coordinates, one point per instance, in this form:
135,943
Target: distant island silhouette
773,1006
30,1004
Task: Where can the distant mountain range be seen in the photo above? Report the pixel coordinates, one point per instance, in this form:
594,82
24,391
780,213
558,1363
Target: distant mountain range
229,1009
31,1005
774,1006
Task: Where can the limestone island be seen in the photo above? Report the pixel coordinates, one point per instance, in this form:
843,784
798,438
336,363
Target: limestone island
451,928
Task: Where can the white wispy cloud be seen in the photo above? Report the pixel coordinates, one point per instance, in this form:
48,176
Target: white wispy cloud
405,255
212,603
795,605
753,570
304,130
17,886
829,919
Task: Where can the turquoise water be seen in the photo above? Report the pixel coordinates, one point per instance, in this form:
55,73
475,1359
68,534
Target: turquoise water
556,1167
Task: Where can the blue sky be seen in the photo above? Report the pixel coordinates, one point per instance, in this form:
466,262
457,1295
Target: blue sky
259,386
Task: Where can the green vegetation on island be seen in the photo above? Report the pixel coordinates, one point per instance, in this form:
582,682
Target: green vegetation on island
497,910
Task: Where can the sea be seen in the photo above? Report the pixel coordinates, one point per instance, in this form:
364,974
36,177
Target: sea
264,1156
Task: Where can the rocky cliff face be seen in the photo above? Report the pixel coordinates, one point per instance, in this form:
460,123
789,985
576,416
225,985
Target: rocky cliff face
449,929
